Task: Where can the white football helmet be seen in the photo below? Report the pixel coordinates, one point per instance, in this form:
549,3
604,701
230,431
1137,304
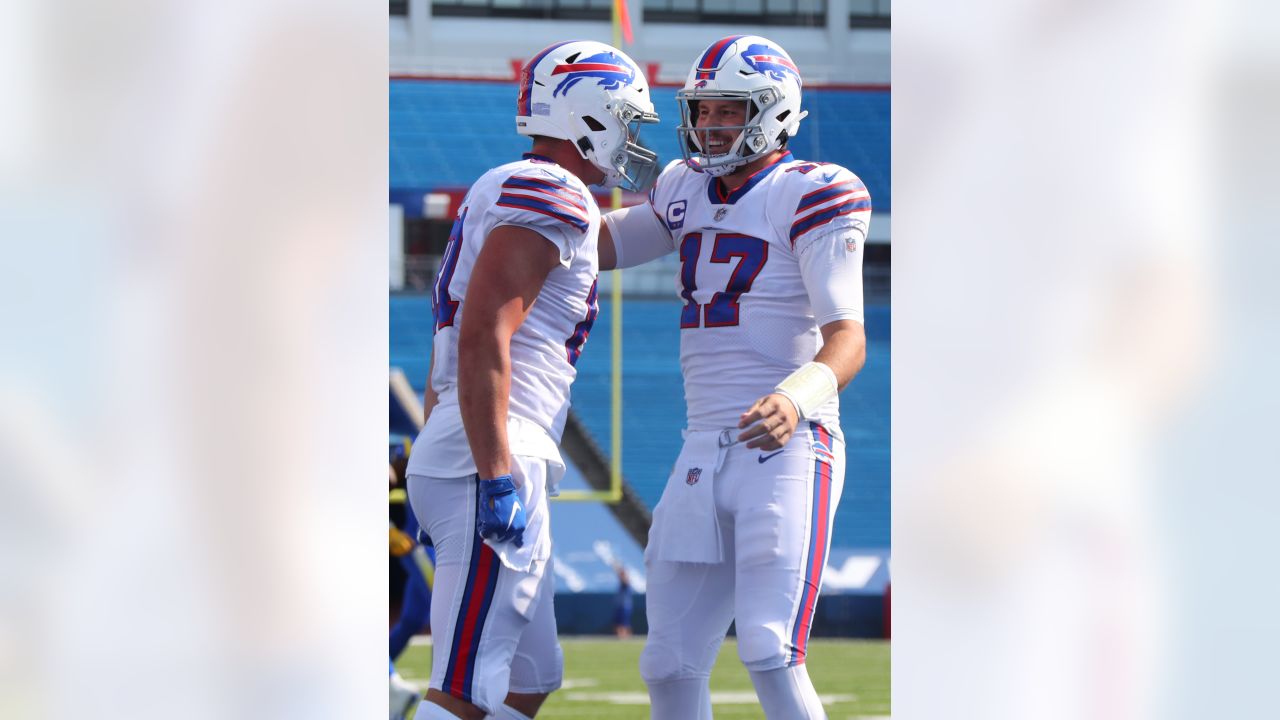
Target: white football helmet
748,68
594,96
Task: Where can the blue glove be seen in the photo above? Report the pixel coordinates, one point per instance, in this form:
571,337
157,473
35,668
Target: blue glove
501,517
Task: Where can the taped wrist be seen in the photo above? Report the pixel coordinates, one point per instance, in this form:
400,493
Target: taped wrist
809,387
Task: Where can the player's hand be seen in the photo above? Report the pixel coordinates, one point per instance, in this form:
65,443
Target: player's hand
501,517
774,417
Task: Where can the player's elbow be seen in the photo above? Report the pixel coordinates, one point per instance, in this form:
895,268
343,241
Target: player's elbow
481,347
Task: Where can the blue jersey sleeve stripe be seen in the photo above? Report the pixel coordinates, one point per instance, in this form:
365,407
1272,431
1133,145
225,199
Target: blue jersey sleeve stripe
549,188
545,204
823,217
550,197
830,192
549,203
539,181
545,182
843,183
523,203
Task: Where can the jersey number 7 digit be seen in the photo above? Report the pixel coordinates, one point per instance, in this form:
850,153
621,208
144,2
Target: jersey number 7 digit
722,311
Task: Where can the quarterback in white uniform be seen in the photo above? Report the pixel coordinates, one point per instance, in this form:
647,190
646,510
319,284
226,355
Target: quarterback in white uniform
513,304
770,254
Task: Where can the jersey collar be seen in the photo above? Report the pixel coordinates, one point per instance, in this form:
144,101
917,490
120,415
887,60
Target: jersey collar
718,196
537,158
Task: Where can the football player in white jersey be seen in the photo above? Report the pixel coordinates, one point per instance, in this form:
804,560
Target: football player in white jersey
513,304
771,329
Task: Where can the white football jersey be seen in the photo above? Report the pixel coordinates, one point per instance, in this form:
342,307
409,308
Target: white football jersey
761,269
538,194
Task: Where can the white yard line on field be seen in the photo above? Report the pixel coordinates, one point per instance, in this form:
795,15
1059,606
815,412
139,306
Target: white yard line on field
743,697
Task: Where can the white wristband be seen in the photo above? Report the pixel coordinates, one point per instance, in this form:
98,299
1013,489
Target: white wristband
809,387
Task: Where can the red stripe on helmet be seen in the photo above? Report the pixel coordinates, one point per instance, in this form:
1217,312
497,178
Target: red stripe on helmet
524,101
588,67
711,59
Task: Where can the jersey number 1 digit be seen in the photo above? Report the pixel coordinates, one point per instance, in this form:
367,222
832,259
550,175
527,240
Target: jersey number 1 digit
443,306
722,311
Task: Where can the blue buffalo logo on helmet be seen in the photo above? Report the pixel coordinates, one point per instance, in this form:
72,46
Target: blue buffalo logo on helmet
610,71
770,61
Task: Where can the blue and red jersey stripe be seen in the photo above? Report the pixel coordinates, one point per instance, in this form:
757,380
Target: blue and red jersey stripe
477,598
545,206
819,538
826,215
829,193
555,190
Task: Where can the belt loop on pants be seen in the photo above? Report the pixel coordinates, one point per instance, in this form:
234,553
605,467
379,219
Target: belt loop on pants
728,438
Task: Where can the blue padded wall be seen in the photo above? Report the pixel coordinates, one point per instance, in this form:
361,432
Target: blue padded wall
654,410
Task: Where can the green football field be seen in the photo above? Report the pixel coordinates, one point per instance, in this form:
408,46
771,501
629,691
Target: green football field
602,680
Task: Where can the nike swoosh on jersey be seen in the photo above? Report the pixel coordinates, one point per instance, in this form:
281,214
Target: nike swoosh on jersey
829,177
764,458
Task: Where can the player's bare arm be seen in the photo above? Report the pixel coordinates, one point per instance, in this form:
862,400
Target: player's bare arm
608,254
772,420
844,349
508,275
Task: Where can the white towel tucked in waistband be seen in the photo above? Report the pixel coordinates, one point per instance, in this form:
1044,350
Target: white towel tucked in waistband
685,528
530,475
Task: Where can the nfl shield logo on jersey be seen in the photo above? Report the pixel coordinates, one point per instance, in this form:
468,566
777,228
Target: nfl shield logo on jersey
721,213
693,476
851,242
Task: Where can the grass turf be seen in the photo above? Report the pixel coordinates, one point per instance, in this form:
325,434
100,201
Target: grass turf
602,679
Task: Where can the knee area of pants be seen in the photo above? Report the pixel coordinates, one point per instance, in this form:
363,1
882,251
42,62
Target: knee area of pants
760,649
659,664
532,676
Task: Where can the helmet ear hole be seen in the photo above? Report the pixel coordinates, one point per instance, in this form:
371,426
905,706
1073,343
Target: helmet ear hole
783,115
592,123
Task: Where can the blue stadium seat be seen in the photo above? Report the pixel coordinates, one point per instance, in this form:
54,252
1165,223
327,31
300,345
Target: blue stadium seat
445,134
